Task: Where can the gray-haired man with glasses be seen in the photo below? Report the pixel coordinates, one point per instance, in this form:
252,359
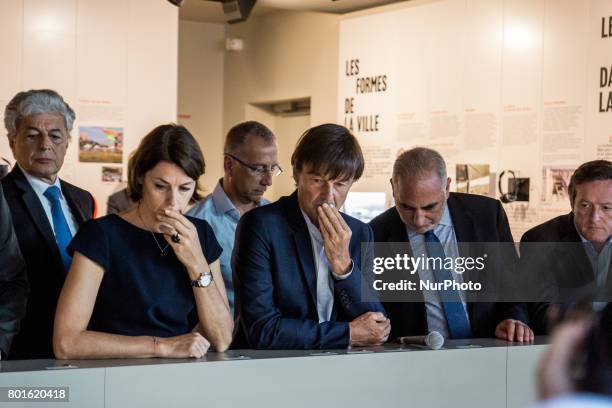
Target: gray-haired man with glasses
250,163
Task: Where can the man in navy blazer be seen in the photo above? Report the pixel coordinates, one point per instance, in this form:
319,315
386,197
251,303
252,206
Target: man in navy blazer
568,258
297,262
38,124
425,207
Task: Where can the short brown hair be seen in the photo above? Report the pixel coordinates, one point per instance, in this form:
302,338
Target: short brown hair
236,136
331,150
596,170
171,143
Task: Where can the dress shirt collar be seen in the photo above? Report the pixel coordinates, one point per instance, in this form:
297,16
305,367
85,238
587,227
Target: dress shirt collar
446,217
40,186
586,241
223,204
312,229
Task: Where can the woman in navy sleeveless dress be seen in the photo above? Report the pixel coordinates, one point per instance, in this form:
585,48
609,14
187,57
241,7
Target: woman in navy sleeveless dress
147,282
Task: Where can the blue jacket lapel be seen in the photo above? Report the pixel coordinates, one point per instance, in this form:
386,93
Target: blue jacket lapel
303,245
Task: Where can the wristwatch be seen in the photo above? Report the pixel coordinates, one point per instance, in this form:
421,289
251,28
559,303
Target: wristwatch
203,281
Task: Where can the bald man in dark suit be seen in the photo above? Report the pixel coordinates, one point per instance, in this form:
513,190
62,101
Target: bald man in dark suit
426,213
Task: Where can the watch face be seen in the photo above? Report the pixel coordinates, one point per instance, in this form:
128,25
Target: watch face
205,279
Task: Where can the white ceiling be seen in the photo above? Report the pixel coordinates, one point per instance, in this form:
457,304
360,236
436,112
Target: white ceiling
212,12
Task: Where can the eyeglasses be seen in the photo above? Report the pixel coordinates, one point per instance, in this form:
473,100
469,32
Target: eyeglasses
260,170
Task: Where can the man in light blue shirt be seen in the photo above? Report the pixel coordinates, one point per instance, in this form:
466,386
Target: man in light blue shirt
250,163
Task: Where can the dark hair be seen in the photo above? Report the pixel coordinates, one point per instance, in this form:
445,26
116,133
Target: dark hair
331,150
171,143
236,136
596,170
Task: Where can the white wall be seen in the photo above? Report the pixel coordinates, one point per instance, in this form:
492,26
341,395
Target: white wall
200,91
286,55
501,83
118,55
290,128
449,58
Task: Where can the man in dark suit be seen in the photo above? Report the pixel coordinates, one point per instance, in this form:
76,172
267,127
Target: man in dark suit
13,280
435,222
297,262
46,211
569,257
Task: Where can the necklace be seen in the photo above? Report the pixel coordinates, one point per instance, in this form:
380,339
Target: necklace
162,251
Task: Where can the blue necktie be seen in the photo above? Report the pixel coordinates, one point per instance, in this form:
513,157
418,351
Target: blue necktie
456,318
63,236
